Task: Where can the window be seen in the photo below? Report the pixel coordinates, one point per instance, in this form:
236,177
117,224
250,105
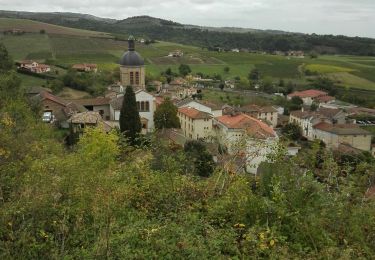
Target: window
147,106
143,106
137,78
131,78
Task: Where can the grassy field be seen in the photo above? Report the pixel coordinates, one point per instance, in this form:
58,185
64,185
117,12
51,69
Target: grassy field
35,27
68,46
30,81
323,69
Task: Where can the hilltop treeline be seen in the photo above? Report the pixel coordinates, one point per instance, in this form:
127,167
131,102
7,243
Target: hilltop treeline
159,29
105,199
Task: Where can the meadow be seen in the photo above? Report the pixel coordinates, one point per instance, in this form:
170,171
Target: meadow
67,47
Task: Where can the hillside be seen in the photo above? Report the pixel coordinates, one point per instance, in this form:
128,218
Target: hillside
35,27
208,37
63,48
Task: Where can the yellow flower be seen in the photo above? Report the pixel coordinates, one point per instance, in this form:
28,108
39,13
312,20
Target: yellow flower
263,246
261,236
7,120
272,242
238,225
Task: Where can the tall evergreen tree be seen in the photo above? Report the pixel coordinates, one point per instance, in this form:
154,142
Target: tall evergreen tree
165,116
130,122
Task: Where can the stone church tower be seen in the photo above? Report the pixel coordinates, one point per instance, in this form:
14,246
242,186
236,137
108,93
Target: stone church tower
132,67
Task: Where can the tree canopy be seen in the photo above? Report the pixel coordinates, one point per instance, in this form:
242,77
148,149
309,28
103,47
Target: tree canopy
184,69
165,115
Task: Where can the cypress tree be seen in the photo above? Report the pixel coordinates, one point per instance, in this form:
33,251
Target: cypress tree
130,122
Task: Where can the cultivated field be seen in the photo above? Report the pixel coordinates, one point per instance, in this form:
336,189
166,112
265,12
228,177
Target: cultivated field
35,27
68,46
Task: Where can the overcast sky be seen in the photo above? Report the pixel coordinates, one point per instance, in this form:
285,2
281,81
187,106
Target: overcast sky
347,17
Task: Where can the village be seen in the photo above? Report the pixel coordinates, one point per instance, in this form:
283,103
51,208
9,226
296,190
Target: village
187,130
258,128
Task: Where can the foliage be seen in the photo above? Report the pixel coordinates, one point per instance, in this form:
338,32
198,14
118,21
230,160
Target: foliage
197,153
292,131
165,116
5,60
90,202
130,122
184,69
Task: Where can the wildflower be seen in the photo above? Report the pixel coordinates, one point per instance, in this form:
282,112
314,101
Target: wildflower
272,242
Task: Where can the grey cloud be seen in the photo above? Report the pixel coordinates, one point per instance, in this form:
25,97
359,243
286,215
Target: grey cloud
348,17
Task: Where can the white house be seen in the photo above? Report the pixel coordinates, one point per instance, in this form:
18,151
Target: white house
146,104
307,119
310,96
195,124
267,114
246,136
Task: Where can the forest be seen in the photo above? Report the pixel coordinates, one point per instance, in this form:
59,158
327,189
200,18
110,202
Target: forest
104,198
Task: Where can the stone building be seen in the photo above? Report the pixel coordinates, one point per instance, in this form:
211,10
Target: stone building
132,67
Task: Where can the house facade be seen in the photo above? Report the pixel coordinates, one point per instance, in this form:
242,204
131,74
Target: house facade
213,109
195,124
246,136
86,67
267,114
310,96
307,119
334,135
100,105
61,109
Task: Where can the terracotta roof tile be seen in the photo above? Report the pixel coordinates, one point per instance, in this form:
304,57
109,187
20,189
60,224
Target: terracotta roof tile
313,93
259,109
341,129
194,113
325,99
253,126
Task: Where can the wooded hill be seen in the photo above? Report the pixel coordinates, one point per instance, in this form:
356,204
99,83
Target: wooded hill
208,37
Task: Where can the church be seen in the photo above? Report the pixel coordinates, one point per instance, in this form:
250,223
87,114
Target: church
132,67
132,73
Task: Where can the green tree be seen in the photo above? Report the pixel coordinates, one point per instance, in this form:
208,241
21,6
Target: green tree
130,122
254,75
292,131
165,116
221,86
226,69
184,69
203,162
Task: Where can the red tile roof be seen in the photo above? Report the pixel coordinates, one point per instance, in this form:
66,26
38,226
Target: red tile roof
252,125
255,108
46,95
194,113
324,99
313,93
159,100
341,129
